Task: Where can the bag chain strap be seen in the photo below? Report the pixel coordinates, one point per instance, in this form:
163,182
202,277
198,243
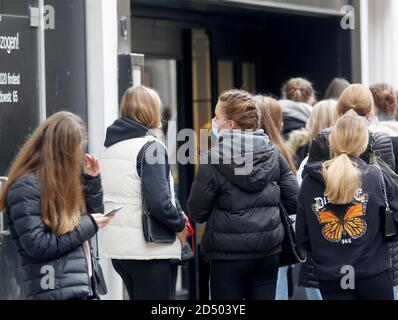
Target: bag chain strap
388,210
289,231
144,150
373,153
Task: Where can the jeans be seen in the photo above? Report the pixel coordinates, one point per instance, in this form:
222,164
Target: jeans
396,293
313,294
282,288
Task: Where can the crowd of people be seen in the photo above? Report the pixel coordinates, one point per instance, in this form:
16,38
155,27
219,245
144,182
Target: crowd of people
330,163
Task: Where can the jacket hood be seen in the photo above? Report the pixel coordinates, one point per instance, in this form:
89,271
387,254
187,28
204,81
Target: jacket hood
314,169
247,159
124,129
298,139
296,110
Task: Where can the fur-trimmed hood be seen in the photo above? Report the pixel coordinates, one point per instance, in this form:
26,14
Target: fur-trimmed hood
298,139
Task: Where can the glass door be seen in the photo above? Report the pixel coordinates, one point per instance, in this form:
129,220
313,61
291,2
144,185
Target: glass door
236,74
161,74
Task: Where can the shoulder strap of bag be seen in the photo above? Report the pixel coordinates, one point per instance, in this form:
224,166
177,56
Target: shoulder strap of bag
383,183
291,235
372,151
144,150
97,247
375,163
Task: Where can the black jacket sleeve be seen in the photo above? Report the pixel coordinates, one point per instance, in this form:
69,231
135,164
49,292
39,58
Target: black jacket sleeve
38,242
93,194
289,186
394,141
156,187
302,235
319,150
392,195
203,194
383,147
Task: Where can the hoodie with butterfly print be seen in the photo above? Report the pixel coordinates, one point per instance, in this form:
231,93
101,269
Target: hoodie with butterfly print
345,235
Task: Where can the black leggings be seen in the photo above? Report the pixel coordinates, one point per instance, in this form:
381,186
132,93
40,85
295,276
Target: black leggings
145,279
379,287
244,279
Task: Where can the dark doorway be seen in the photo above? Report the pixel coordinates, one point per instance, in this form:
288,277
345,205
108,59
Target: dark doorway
241,48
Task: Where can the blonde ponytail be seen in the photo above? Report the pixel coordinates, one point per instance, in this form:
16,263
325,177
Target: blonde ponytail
342,179
349,138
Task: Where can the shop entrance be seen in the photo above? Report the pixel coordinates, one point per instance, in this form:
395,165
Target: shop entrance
195,53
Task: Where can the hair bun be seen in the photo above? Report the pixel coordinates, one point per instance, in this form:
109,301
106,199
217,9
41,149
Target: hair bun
298,90
385,98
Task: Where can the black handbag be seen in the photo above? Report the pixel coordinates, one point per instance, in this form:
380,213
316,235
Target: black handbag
154,230
291,253
99,283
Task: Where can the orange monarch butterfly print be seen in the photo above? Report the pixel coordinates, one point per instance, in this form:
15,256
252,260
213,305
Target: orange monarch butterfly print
351,226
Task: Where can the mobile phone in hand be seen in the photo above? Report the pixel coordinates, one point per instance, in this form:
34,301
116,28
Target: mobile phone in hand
114,211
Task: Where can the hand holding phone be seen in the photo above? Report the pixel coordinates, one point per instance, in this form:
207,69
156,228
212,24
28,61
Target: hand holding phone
101,220
114,211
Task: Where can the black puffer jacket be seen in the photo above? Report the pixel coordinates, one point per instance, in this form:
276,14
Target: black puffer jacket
241,211
320,151
382,145
45,254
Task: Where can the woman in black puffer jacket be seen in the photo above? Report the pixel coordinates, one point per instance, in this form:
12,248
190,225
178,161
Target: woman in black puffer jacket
45,202
358,98
238,197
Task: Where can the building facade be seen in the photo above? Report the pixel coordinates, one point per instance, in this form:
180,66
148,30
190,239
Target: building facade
80,55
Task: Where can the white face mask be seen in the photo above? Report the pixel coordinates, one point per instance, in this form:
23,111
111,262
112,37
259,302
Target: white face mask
215,127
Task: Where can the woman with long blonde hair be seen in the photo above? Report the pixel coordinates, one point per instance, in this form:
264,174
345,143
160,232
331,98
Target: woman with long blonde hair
53,205
339,217
359,98
356,97
323,116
